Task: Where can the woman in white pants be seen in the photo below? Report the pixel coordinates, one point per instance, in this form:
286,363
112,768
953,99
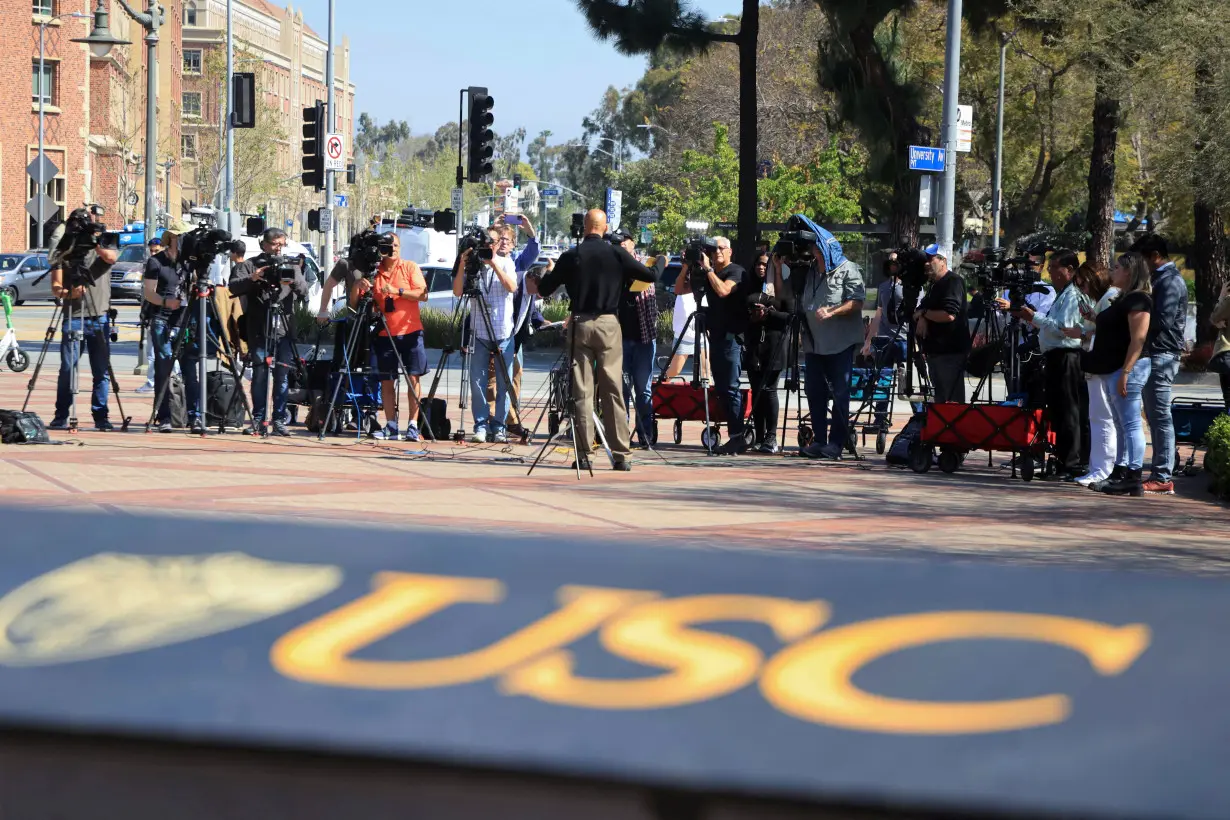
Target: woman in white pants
1094,281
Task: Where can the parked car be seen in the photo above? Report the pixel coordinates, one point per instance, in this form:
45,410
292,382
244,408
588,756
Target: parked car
127,273
20,275
551,251
440,288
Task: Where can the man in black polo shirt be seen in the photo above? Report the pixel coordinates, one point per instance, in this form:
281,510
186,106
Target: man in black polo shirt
943,328
596,275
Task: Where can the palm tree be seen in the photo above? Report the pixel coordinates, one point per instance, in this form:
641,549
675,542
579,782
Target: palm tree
644,26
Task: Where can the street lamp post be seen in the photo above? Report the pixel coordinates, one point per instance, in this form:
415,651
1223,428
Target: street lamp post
42,101
997,186
101,41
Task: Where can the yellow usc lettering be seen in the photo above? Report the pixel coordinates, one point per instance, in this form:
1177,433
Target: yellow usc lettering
703,665
811,680
320,650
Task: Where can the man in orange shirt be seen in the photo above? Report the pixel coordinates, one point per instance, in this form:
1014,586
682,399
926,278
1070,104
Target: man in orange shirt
398,287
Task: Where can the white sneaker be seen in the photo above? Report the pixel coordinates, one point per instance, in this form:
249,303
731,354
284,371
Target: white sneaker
479,437
1092,478
501,437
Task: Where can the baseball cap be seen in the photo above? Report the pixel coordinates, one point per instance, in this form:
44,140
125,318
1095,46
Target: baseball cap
622,235
934,250
176,227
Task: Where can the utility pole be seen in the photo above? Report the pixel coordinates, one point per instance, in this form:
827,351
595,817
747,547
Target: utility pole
228,182
997,188
952,90
326,254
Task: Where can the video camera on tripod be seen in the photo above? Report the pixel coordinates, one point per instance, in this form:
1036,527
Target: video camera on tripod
82,234
476,240
198,248
996,274
693,252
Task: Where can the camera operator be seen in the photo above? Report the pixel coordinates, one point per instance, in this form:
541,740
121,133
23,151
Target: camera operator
497,281
522,304
1067,397
165,284
725,322
82,283
886,329
147,339
261,285
398,287
596,274
343,273
638,322
830,295
942,328
764,347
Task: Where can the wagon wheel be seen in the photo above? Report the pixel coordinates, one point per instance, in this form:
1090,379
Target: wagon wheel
553,422
881,442
950,460
920,457
711,437
678,431
1027,466
653,434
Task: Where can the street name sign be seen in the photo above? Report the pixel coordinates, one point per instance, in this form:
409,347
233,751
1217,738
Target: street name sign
927,159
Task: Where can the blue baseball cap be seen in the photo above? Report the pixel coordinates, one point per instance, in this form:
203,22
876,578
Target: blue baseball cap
934,250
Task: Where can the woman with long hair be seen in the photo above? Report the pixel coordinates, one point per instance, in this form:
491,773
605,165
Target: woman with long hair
1093,279
764,348
1116,359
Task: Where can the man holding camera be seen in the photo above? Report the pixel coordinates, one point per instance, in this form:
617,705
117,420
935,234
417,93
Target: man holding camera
165,284
1067,397
82,283
397,288
942,328
596,274
725,321
830,295
269,285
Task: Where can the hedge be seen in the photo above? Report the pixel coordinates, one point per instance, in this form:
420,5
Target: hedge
1217,462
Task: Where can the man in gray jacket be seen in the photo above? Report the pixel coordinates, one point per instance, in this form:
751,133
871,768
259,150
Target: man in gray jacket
1164,346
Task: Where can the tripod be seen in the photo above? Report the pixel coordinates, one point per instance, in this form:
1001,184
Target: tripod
201,298
277,327
465,306
75,337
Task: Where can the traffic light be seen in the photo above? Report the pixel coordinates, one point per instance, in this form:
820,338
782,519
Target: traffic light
481,135
350,174
314,219
517,181
314,146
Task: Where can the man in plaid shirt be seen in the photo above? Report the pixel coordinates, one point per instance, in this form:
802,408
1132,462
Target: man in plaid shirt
638,320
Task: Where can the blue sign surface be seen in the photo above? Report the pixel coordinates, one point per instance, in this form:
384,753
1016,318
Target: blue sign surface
551,192
924,158
341,200
290,223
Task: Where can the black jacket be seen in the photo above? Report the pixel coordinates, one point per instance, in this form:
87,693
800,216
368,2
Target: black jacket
596,274
258,295
765,341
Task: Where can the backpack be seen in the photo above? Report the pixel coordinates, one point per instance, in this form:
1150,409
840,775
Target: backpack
179,407
19,427
220,398
899,452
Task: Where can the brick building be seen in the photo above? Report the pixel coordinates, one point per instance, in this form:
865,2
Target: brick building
288,58
94,112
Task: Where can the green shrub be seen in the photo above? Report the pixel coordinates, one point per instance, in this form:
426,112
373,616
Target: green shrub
666,327
437,328
556,311
1217,439
305,324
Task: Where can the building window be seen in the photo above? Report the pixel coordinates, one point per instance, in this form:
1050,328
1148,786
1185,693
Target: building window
190,14
45,8
43,86
188,146
192,61
192,104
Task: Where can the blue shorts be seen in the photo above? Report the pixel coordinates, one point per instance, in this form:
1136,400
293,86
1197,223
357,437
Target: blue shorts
411,348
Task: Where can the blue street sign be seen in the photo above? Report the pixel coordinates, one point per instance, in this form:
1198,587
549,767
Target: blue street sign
290,223
551,192
923,158
340,200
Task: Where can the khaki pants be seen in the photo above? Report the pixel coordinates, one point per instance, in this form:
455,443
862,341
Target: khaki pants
599,341
514,396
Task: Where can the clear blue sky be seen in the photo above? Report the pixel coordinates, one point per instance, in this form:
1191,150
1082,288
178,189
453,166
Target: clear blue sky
536,57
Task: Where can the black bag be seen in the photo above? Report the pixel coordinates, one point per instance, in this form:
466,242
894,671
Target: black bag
221,394
434,411
899,451
20,427
179,407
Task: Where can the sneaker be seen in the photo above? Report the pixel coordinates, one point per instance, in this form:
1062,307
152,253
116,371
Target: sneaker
1155,486
257,429
196,427
479,437
517,431
103,426
580,464
389,433
1089,479
734,447
279,429
148,387
501,437
622,466
164,427
824,452
58,424
769,446
412,432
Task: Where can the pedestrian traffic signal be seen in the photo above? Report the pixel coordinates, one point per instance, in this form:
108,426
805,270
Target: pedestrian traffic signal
482,138
314,146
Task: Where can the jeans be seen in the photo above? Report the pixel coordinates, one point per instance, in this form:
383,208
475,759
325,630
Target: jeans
94,338
480,365
828,378
1104,437
163,333
1165,366
283,358
638,385
726,362
886,352
765,405
1131,449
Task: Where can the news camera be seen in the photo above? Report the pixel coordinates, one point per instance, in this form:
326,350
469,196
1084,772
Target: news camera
477,241
284,268
794,247
996,274
199,247
365,252
693,252
82,234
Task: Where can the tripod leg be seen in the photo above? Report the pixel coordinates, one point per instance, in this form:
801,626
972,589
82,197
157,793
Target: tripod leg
176,350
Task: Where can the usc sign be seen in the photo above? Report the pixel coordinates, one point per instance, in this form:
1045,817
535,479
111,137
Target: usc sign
811,678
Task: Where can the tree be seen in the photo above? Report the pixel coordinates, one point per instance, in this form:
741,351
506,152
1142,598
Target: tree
646,26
